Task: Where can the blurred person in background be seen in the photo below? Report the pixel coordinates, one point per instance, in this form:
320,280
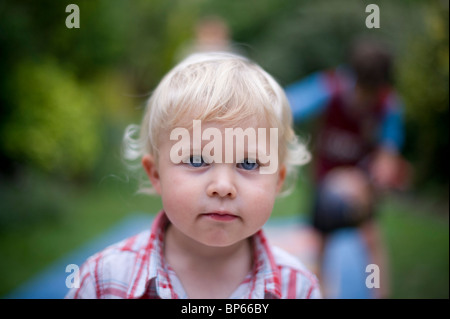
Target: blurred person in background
357,151
211,33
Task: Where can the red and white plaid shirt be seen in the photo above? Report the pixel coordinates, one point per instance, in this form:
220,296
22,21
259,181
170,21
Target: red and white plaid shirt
136,268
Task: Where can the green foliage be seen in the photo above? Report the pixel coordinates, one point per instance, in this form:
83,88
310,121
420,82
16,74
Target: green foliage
294,38
424,82
54,124
311,36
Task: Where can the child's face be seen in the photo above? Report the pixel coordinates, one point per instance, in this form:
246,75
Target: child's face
216,204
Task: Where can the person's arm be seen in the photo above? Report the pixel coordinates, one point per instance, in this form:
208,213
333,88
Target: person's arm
309,96
389,170
392,128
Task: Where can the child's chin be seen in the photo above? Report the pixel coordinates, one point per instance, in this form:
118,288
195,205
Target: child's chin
221,242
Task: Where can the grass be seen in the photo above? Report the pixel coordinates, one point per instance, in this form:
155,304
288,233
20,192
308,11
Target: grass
41,220
418,246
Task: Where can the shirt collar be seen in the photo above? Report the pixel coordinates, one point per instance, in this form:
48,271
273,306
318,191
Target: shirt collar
149,279
266,274
155,282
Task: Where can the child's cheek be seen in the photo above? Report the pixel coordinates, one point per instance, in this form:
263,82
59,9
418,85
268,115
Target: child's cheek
179,187
261,198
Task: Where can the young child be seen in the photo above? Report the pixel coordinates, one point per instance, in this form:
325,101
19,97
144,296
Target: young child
217,145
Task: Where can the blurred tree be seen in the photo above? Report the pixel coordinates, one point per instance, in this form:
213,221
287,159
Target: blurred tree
424,82
64,92
53,123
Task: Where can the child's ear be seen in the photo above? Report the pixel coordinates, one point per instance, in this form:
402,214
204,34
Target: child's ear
151,168
281,177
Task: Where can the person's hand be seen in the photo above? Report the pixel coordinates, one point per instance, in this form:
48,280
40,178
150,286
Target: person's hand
352,185
390,171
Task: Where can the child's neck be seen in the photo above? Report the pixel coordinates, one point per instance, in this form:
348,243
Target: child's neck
205,271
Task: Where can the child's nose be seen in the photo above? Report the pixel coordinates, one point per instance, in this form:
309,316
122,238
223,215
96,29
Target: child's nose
222,182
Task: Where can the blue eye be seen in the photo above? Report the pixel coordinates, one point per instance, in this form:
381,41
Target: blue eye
248,165
196,161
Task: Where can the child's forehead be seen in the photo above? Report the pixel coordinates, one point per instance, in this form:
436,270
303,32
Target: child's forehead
191,123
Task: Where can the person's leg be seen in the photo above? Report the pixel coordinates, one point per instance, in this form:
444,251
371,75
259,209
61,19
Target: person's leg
372,235
346,199
353,187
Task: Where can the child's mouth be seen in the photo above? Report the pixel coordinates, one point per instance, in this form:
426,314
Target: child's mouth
221,216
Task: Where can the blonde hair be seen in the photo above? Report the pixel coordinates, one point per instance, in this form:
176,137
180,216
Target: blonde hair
221,87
